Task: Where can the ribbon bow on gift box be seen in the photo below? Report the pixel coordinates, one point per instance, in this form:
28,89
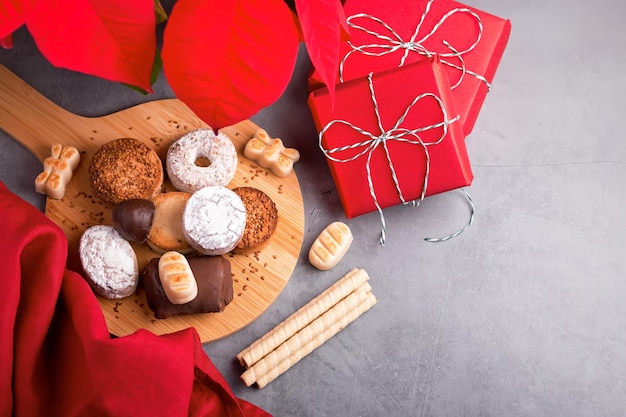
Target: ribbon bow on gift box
399,134
394,42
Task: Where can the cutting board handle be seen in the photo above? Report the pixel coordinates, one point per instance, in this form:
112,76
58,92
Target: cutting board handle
22,109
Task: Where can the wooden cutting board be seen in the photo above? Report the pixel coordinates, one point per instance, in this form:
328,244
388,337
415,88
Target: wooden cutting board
259,277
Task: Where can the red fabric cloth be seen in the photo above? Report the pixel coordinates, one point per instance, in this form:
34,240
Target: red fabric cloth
56,355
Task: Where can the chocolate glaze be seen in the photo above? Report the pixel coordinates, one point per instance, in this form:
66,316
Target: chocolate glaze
133,218
215,287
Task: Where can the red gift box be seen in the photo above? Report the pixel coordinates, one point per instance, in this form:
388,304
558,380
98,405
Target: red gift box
389,34
389,139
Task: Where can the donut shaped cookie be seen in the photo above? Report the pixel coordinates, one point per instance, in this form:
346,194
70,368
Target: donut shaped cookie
109,262
214,220
125,168
182,156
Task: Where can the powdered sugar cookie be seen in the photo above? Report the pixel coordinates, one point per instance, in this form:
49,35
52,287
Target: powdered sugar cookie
109,262
214,220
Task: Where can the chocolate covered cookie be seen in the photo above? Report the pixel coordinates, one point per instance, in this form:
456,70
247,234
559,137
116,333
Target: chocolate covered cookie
213,279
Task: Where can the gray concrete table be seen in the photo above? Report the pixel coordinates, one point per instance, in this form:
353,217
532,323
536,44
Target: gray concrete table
521,315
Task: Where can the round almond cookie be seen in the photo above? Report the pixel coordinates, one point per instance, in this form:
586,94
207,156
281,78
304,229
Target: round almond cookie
166,232
261,217
123,169
109,262
214,220
184,160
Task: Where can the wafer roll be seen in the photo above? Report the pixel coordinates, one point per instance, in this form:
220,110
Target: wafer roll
309,338
305,315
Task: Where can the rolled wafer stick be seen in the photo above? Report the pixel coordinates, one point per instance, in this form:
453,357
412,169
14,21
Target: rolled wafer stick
310,338
305,315
280,367
305,336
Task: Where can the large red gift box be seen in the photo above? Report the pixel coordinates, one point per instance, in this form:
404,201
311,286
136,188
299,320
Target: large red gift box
399,135
388,34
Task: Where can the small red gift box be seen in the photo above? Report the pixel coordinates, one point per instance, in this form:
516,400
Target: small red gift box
389,34
392,137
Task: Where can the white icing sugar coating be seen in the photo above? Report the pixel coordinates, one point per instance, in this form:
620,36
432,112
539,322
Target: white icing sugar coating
182,155
109,262
214,220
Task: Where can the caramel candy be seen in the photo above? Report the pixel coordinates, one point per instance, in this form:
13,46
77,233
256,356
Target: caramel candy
58,169
51,184
177,278
61,167
271,153
330,246
68,154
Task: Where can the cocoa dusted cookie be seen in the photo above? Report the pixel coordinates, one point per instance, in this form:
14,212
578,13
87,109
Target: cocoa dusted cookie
125,168
261,217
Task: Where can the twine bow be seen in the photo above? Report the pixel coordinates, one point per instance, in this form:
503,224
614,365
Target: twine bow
393,42
398,134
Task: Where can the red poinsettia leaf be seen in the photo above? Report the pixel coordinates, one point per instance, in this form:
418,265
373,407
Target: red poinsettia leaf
157,66
12,15
227,60
111,39
323,24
